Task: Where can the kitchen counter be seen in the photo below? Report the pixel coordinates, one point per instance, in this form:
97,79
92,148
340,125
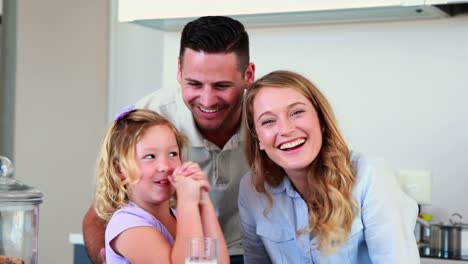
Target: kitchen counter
79,251
425,252
80,256
441,261
76,239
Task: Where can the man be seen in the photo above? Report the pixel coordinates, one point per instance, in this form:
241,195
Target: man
214,69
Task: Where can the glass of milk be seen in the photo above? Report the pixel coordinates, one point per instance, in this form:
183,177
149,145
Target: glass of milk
202,250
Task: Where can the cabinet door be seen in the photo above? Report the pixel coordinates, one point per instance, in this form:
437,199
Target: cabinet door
130,10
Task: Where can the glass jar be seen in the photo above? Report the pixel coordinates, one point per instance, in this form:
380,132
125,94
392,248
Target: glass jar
19,217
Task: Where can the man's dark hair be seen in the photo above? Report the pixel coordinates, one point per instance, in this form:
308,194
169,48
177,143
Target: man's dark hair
216,34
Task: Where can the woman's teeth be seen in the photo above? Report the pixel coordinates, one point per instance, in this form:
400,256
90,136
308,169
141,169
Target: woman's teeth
292,144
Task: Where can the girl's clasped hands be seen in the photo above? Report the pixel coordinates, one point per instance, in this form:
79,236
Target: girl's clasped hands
190,182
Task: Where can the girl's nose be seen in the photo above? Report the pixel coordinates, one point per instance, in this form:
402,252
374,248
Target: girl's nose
164,166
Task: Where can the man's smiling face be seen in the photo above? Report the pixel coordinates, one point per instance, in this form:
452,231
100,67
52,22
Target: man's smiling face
212,88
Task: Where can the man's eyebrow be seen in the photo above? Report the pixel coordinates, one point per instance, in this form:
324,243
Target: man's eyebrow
224,82
191,80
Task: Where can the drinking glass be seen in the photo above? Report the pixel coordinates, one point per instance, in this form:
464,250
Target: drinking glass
202,251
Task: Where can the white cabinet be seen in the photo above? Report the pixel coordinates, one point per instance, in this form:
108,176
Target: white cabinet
130,10
442,2
174,14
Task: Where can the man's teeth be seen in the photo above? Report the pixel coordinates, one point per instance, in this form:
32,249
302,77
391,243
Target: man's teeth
208,110
292,144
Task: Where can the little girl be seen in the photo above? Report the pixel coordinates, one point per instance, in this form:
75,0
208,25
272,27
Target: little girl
138,170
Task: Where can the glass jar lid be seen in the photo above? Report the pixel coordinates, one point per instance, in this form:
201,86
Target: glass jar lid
12,190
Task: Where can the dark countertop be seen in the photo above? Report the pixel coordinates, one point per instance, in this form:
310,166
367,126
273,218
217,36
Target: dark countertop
426,252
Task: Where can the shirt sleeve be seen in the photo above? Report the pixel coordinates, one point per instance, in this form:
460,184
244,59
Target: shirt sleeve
123,220
388,215
254,250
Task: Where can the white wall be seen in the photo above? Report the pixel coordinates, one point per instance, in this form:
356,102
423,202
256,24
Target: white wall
136,62
398,89
61,106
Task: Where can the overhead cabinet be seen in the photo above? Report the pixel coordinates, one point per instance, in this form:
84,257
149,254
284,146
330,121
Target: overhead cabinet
174,14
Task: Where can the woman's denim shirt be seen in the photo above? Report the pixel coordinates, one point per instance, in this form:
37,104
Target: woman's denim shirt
382,231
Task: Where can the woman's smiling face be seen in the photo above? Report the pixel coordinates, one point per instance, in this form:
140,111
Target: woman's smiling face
288,128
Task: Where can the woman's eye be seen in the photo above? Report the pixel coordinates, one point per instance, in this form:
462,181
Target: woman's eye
173,154
266,122
296,112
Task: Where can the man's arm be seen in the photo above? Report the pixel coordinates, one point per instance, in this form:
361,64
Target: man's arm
93,234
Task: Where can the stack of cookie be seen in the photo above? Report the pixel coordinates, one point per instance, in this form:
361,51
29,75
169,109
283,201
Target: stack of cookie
10,260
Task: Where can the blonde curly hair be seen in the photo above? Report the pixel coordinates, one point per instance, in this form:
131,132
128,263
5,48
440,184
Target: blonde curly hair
118,153
330,178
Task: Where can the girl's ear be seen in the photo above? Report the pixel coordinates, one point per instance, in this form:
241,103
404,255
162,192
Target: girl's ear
119,171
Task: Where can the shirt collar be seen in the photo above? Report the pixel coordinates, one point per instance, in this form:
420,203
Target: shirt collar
285,186
189,128
187,124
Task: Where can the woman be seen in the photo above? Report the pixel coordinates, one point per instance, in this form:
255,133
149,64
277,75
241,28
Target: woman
308,199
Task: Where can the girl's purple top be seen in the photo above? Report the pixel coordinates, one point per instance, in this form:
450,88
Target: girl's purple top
131,215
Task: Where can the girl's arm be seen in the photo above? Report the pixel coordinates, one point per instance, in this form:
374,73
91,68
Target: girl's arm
144,244
141,245
209,220
212,228
131,233
189,223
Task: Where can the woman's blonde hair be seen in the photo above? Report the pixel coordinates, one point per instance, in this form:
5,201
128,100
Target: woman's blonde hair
118,154
330,178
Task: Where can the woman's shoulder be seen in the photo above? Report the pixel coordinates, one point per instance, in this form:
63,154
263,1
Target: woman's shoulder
359,162
248,193
246,186
369,169
373,176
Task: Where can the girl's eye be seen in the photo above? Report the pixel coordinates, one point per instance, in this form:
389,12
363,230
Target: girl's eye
173,154
149,156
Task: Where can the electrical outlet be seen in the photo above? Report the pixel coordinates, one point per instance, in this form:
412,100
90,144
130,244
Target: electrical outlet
417,184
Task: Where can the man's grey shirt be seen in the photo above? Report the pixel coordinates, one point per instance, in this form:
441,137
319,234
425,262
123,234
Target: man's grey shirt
223,167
